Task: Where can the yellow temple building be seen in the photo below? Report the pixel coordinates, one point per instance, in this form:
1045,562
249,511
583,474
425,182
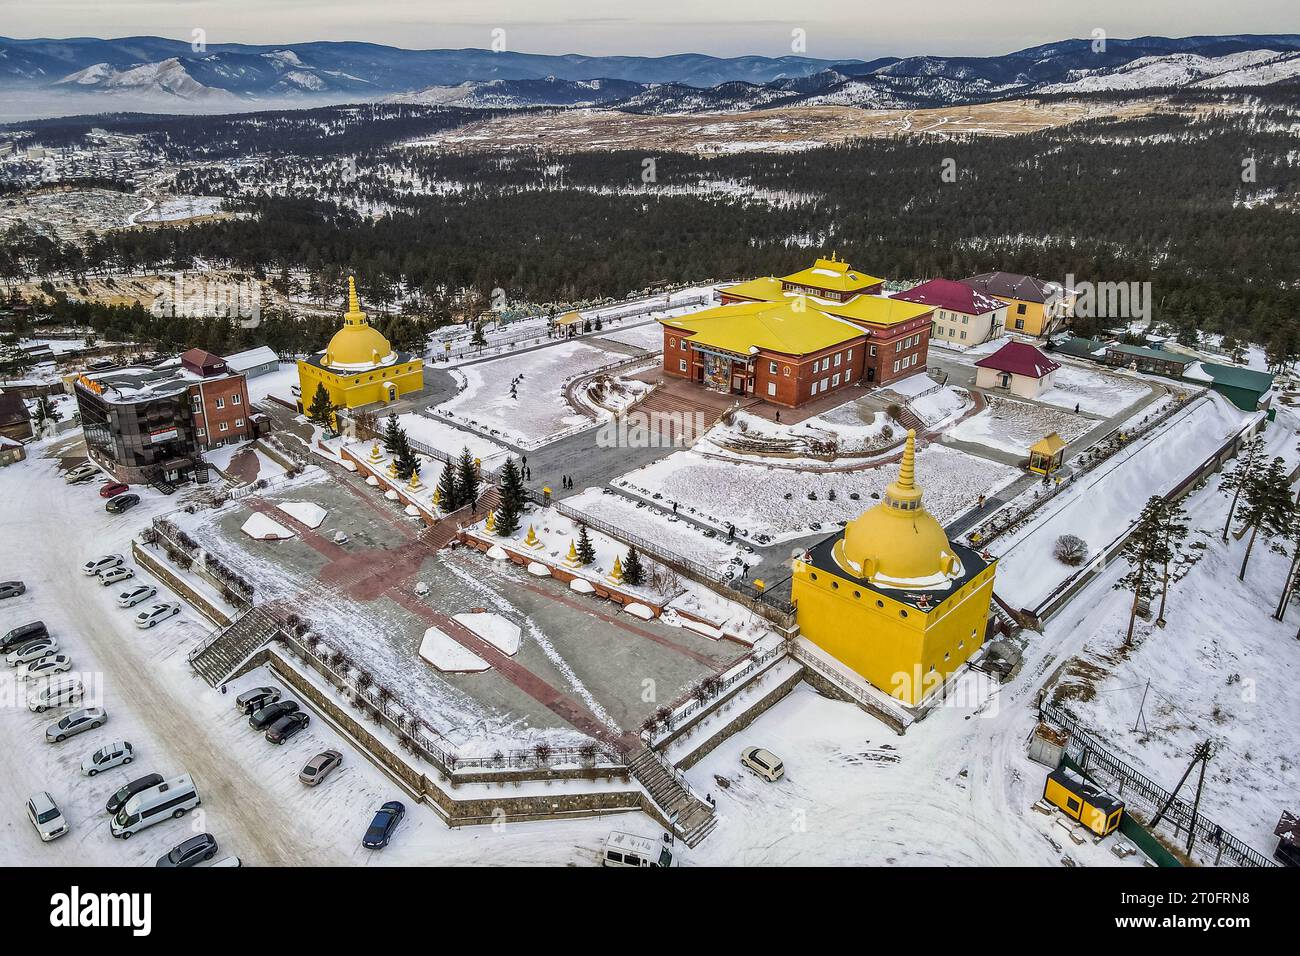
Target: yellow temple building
359,366
891,597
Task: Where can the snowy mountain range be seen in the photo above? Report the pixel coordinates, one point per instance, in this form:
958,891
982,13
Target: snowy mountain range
153,73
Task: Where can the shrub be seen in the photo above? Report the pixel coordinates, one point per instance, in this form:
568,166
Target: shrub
1071,549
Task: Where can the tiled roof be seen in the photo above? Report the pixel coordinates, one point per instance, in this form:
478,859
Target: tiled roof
951,295
1011,285
1019,358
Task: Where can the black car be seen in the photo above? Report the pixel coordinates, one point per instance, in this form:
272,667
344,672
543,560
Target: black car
22,634
383,825
287,726
121,503
11,589
118,799
269,714
192,851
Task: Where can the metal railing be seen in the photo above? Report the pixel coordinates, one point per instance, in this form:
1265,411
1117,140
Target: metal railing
1135,786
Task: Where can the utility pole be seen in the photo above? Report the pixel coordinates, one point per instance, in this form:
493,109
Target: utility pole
1141,718
1196,805
1202,752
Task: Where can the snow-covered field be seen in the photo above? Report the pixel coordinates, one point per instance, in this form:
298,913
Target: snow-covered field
540,412
764,501
1101,393
648,522
1013,426
942,406
1105,501
451,440
649,336
1221,669
854,428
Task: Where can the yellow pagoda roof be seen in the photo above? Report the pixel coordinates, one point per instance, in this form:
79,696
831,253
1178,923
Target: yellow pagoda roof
875,309
1049,445
898,544
569,318
774,326
357,346
833,274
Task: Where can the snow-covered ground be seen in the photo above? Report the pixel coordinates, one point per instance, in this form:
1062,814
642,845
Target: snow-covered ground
854,428
540,412
451,440
941,406
1221,669
1105,501
1013,426
763,500
278,383
647,521
649,336
1101,393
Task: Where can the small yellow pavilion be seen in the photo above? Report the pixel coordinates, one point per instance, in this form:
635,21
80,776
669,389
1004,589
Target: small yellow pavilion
1047,454
891,597
358,367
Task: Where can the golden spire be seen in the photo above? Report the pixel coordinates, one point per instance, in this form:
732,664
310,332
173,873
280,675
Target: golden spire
904,491
354,314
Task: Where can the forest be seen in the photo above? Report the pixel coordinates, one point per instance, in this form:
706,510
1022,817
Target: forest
1203,207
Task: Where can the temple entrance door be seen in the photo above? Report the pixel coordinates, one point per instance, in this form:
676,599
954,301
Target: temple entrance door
738,384
871,373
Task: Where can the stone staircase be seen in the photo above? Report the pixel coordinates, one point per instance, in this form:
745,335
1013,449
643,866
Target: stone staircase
691,817
217,658
676,419
908,419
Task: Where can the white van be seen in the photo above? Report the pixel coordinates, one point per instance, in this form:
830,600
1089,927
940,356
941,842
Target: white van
628,849
171,798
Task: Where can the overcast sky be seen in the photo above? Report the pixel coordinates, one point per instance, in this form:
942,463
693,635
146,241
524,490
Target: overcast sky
833,28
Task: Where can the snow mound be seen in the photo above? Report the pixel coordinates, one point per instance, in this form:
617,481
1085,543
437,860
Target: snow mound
391,495
699,627
497,553
642,611
413,511
445,654
262,528
493,628
582,586
372,481
538,570
309,514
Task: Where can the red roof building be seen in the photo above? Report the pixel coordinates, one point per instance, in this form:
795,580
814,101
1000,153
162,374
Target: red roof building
1018,368
963,316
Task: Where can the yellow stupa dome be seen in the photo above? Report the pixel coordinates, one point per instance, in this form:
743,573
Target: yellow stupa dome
357,346
898,544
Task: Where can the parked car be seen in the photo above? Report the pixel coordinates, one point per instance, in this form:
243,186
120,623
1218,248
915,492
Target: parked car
133,596
113,489
116,754
121,503
287,726
762,762
56,694
264,717
382,826
101,563
45,816
31,651
113,575
77,722
76,476
229,861
22,634
125,792
192,851
256,699
155,613
319,767
45,666
11,589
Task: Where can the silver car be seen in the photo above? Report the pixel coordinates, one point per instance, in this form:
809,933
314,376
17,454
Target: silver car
45,666
116,754
45,816
101,563
79,721
113,575
133,596
319,767
31,651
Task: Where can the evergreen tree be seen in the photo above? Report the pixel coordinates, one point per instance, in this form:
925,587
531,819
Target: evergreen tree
511,490
1172,530
1268,505
586,552
1235,479
448,493
633,569
321,411
466,479
408,463
45,415
1142,550
392,435
479,340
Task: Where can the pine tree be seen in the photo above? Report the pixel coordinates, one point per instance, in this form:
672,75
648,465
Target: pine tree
466,479
511,490
1269,507
1173,529
408,463
448,493
586,552
321,411
1235,479
392,431
633,570
1141,551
